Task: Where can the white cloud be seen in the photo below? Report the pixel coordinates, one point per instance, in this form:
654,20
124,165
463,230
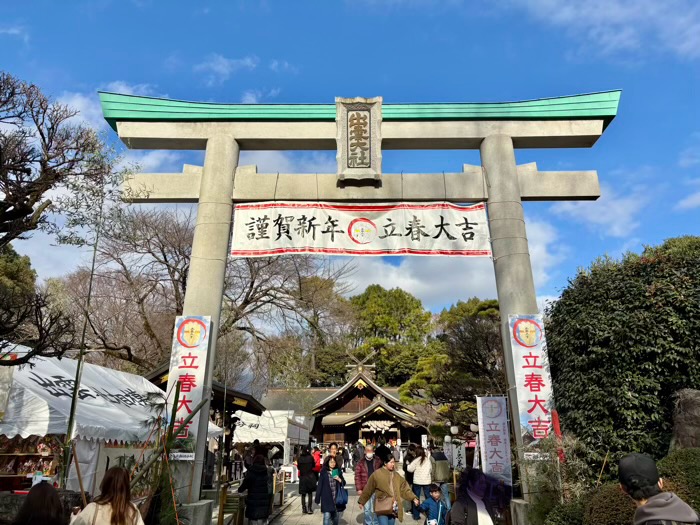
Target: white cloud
282,66
88,103
88,106
255,96
692,200
441,281
615,26
608,26
16,31
142,90
218,68
156,161
612,215
49,259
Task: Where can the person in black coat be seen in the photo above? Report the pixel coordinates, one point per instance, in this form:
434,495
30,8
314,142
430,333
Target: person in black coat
257,508
330,479
307,480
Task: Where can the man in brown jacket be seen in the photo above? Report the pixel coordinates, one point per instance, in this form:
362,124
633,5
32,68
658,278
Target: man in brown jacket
387,483
364,468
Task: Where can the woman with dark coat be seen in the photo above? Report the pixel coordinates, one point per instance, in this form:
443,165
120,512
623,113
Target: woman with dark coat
330,479
257,507
307,480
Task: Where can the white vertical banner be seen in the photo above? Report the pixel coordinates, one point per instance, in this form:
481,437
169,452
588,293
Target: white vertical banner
187,366
494,437
533,380
459,459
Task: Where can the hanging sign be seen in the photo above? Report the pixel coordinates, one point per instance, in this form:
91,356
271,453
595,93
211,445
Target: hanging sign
533,380
187,366
494,437
435,228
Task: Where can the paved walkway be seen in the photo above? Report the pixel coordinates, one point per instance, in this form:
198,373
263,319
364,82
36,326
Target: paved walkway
292,515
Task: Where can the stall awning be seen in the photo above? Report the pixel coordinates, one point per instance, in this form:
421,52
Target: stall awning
274,426
112,406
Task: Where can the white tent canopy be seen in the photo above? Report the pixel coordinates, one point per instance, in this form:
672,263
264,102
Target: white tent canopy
112,405
274,426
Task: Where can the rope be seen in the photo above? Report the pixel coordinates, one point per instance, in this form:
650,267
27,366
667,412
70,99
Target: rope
145,445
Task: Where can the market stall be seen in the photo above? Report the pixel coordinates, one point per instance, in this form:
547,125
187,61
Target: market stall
280,429
114,422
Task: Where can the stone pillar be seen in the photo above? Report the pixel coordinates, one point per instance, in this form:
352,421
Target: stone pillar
205,279
511,257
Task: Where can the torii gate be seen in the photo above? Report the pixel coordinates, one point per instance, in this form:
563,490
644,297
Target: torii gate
496,129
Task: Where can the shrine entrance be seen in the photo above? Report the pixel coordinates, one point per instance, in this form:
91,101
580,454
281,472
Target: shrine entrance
359,130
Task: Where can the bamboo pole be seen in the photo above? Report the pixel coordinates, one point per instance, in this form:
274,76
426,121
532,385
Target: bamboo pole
597,484
80,477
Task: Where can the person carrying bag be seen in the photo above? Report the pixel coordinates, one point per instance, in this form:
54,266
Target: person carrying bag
389,488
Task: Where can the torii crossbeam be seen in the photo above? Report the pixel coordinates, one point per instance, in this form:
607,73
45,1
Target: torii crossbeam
496,129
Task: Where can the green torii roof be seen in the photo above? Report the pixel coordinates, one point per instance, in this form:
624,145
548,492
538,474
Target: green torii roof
119,108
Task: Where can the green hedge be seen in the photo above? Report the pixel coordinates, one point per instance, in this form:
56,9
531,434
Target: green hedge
608,506
681,473
566,514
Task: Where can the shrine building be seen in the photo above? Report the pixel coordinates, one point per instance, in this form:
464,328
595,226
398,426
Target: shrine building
359,410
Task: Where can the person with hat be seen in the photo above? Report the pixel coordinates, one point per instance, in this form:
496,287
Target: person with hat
640,479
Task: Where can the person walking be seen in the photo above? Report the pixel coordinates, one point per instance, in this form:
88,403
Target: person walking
256,482
434,508
251,452
409,456
307,480
422,470
316,454
364,468
442,475
330,481
42,506
333,452
357,454
346,458
640,479
389,488
113,505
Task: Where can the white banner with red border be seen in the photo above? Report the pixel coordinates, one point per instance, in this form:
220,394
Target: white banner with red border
494,437
432,228
188,362
532,376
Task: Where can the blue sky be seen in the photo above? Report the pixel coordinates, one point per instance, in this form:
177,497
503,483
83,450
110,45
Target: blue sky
648,160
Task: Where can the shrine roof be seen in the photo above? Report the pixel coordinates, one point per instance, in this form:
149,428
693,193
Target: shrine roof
359,378
303,400
378,406
118,107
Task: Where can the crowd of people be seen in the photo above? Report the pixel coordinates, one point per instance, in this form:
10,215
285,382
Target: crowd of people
382,491
384,495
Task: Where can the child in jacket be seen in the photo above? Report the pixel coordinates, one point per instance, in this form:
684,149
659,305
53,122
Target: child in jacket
434,507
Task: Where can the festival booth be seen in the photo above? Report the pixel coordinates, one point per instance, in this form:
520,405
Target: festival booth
280,429
114,422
